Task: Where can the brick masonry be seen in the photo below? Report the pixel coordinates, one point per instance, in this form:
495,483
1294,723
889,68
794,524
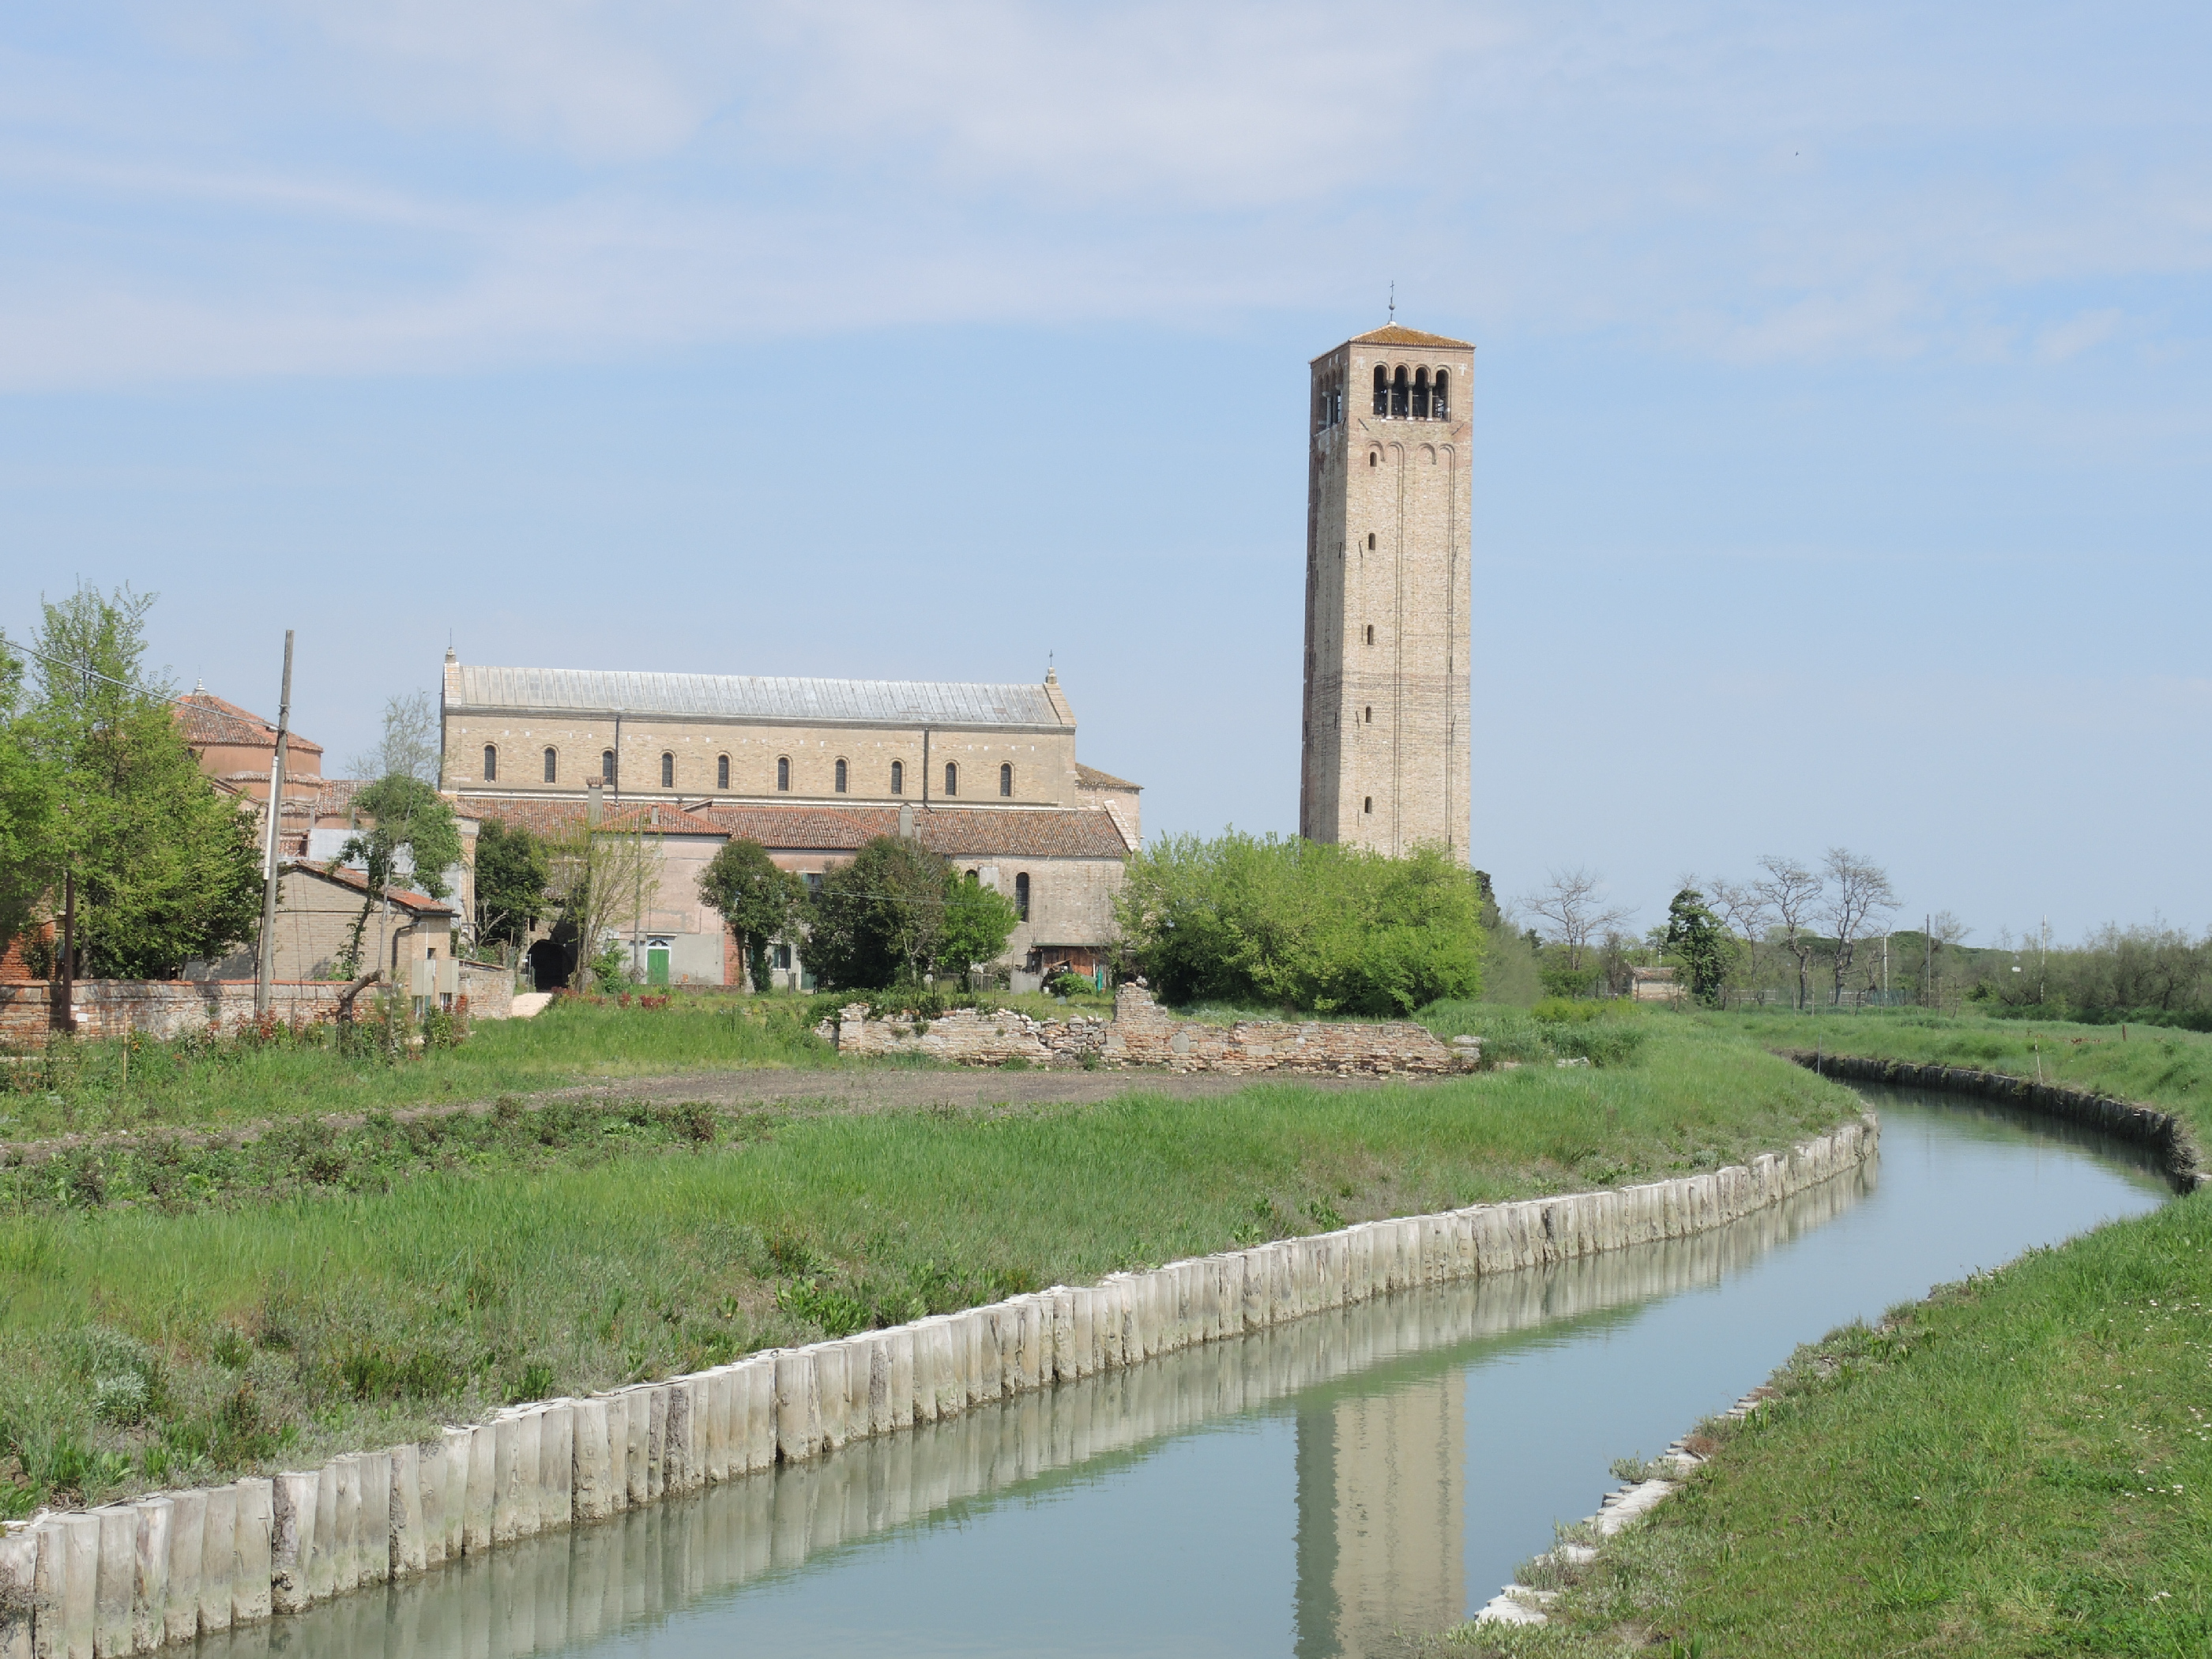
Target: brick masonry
1142,1033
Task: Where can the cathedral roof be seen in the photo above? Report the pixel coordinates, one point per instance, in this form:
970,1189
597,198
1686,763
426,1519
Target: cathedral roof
1399,334
1090,777
747,696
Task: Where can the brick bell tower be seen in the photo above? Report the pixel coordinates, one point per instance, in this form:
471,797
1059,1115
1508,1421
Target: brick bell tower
1387,545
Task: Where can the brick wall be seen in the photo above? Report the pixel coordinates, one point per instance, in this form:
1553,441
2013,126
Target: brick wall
1142,1033
159,1008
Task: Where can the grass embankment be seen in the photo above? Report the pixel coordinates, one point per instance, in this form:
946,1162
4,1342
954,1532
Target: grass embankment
201,1083
162,1333
2021,1464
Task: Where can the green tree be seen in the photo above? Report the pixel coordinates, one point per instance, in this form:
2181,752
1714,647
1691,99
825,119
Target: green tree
166,867
897,912
26,807
411,837
1303,925
1700,943
514,870
978,921
756,900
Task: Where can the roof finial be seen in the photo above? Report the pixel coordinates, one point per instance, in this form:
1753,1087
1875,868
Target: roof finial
1393,298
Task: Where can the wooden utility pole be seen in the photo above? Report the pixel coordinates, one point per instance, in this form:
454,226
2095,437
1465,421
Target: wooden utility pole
69,951
265,967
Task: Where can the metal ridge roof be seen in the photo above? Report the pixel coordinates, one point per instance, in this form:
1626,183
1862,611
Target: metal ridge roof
749,696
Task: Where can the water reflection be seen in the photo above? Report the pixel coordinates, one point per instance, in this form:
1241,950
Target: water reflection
1379,1471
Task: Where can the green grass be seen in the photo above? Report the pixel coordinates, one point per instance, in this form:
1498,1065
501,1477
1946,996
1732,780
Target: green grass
2159,1065
2020,1465
194,1083
164,1336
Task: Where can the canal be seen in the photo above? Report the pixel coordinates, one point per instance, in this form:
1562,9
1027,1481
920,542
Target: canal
1310,1490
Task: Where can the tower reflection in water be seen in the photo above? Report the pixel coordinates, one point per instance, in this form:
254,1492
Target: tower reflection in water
1377,1393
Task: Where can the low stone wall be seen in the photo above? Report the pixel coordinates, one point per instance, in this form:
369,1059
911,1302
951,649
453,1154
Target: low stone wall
1142,1033
30,1013
128,1576
2123,1119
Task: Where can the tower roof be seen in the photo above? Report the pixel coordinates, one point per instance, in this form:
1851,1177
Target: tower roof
1398,334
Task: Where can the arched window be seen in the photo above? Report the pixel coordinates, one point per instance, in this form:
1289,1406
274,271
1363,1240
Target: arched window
491,764
898,777
1400,394
1420,394
1374,458
952,778
1440,405
552,769
1370,632
783,771
1006,780
721,771
840,777
1022,897
1371,714
1336,406
667,770
1381,394
1369,804
1371,541
606,766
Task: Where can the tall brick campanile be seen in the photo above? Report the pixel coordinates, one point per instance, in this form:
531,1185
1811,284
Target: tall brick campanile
1387,545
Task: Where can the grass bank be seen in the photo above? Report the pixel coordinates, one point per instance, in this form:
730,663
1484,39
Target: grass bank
197,1081
275,1313
2019,1465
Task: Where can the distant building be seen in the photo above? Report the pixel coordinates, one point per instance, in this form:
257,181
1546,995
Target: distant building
811,769
1653,985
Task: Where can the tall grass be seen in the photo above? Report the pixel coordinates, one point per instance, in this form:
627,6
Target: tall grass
317,1318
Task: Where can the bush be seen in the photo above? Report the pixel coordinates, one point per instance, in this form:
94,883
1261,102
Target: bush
1303,925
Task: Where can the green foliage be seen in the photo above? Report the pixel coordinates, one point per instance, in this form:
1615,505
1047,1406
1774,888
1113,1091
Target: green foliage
1700,945
514,870
1605,1033
166,867
1303,925
756,900
28,789
897,912
408,816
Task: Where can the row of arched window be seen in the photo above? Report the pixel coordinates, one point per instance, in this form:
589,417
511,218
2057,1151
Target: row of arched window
1400,396
844,775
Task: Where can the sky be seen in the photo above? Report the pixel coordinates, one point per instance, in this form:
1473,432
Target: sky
1841,409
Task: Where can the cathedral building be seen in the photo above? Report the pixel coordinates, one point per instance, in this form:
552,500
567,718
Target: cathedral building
811,769
1385,736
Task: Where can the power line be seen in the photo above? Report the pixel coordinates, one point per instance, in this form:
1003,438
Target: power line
187,700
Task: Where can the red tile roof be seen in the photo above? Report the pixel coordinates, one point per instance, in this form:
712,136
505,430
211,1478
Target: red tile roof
210,721
956,832
1090,777
1399,334
420,903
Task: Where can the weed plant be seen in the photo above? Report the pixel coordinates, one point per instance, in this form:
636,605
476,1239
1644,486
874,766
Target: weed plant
299,1299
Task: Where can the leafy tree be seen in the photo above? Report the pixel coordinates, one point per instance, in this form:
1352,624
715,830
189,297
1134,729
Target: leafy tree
756,900
514,870
1697,940
978,921
411,836
880,919
166,867
28,789
1303,924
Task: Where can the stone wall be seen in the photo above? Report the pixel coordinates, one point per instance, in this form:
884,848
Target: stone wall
30,1012
1142,1033
175,1565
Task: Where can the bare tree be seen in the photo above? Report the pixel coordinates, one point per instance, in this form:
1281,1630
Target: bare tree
1792,890
1573,906
410,746
1859,895
1748,913
603,875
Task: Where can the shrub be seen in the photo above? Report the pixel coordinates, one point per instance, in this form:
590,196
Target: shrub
1303,925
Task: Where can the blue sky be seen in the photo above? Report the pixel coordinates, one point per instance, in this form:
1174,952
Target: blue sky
1840,401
